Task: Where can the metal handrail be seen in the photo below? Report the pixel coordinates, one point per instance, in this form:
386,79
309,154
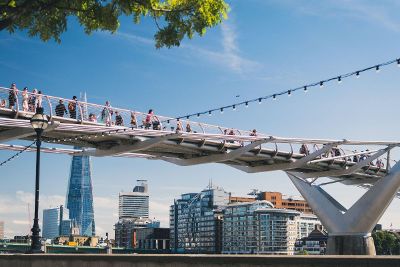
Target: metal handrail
203,126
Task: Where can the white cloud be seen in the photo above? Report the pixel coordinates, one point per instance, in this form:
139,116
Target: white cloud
383,13
21,222
135,38
229,57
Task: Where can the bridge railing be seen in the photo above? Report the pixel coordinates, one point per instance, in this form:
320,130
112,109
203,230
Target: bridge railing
97,114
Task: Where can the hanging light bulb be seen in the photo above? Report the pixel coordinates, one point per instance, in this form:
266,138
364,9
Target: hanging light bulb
222,110
339,79
357,74
377,69
321,84
234,107
259,100
305,89
247,104
274,97
289,93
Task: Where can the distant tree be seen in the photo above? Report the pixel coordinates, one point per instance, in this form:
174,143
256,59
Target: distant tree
174,19
302,252
386,243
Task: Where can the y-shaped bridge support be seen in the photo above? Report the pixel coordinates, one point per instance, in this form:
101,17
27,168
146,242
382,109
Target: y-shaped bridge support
350,230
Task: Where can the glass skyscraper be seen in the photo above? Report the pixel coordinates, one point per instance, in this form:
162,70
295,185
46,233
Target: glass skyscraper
80,195
56,223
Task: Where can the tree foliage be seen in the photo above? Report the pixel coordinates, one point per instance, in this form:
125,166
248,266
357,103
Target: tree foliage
174,19
386,243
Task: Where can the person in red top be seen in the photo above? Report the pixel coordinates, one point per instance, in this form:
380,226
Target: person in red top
149,119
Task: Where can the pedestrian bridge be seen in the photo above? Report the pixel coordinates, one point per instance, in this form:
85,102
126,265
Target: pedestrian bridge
204,143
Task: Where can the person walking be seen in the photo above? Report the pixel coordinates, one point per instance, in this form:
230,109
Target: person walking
60,109
72,107
106,114
39,99
188,128
149,119
12,96
119,121
133,120
25,99
32,101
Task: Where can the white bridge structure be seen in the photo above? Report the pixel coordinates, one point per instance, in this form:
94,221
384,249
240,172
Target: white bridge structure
349,229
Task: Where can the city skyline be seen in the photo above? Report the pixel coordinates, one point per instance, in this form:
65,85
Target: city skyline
264,47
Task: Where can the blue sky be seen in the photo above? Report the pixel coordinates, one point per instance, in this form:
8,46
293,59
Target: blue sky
265,46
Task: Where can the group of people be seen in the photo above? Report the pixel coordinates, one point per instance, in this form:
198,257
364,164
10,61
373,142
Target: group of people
30,101
335,152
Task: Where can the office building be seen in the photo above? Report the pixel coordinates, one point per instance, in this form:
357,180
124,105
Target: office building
196,221
259,228
306,223
80,195
1,230
291,203
134,204
54,222
51,225
125,230
151,239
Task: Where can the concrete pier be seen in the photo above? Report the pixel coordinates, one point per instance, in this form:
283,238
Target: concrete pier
350,245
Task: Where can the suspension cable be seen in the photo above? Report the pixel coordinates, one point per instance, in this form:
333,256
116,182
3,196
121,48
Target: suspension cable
17,154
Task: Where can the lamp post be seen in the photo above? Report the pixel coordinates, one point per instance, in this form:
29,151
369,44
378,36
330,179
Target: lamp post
39,123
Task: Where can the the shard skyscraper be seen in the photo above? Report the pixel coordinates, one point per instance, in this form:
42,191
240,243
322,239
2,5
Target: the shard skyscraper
80,195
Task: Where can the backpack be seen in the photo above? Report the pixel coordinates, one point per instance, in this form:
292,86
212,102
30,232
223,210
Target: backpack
71,106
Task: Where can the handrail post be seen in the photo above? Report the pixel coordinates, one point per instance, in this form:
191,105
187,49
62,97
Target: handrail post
80,112
50,107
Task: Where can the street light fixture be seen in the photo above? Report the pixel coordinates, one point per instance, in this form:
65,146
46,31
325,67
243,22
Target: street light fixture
39,123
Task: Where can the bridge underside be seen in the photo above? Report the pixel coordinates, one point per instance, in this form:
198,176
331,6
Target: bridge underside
249,154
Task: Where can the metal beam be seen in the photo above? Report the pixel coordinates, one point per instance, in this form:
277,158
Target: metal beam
304,160
351,169
355,220
139,145
289,165
19,133
217,157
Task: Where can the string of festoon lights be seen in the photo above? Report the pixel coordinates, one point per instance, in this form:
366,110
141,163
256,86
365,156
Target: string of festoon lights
16,155
289,92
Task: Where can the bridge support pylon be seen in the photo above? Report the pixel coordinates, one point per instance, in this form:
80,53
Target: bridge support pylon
350,230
